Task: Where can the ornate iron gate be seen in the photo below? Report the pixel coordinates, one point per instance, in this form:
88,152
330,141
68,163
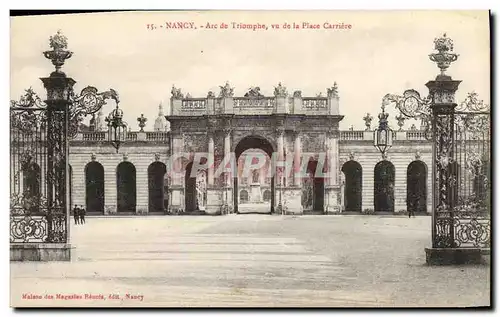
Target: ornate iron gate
470,174
463,176
38,168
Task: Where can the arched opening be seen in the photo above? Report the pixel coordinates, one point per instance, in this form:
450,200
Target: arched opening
266,196
250,152
156,188
353,185
384,187
416,187
94,188
32,179
243,196
126,187
313,188
195,196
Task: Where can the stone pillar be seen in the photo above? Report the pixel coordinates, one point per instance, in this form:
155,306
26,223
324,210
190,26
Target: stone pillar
281,99
227,191
110,189
210,173
177,173
294,191
297,152
333,100
332,188
279,169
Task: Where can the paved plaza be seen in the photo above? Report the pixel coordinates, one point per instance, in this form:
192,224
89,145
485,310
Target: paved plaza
251,261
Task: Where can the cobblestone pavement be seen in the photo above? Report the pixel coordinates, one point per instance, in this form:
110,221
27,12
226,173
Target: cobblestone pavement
250,261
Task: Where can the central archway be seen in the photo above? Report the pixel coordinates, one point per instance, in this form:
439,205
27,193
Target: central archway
258,143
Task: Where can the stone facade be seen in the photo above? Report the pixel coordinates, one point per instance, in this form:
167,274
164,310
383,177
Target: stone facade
281,126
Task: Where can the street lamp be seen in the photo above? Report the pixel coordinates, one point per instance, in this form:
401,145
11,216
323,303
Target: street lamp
117,129
382,136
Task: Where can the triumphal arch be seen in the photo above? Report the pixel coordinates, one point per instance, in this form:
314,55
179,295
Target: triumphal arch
295,131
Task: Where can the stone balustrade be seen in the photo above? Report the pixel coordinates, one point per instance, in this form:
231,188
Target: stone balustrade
254,103
157,136
94,136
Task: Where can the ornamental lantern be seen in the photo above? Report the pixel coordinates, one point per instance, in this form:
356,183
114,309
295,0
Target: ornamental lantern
117,129
382,136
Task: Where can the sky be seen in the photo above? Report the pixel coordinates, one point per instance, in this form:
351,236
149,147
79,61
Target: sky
383,52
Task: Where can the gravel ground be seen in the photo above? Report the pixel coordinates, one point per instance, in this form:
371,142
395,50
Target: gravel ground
250,261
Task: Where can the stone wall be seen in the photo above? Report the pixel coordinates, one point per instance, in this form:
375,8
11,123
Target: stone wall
401,155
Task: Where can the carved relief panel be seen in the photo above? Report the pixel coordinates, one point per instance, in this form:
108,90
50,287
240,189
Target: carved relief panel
313,142
195,143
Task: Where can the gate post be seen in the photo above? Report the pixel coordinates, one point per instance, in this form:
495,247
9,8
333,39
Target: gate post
442,95
56,246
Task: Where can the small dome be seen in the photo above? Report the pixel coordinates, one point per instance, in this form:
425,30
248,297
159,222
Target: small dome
161,124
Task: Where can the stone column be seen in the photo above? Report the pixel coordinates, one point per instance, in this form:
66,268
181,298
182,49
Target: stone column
177,177
278,169
294,191
332,188
210,173
214,192
297,178
227,154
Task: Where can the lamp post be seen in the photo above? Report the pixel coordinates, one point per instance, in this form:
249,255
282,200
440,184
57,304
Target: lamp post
117,128
382,136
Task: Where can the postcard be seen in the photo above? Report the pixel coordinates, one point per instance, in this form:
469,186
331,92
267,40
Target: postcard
250,159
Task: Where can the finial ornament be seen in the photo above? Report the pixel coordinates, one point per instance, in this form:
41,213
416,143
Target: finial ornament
142,122
444,57
58,54
368,121
401,121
